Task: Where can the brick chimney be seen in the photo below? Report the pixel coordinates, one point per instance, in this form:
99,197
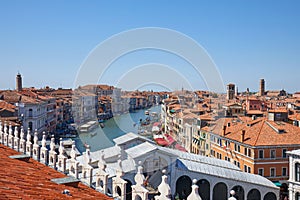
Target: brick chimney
224,131
243,135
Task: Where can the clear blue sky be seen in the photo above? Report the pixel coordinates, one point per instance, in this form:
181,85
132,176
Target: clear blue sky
47,41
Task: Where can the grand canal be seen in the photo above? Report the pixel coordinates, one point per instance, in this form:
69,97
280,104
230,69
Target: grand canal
103,137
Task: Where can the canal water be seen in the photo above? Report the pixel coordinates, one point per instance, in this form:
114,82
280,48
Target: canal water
101,138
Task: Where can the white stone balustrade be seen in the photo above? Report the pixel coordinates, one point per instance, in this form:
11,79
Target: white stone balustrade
28,143
52,154
164,188
36,147
73,163
16,139
87,169
102,175
22,147
5,135
138,190
62,159
118,183
11,139
44,150
1,133
195,193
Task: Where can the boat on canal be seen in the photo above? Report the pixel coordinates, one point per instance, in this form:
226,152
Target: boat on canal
88,127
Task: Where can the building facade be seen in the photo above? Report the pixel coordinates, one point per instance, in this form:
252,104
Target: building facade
294,175
215,177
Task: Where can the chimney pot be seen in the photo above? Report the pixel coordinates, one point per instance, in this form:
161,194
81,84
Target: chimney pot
224,131
243,135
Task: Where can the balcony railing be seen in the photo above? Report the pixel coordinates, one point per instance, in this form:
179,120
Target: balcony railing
34,116
273,158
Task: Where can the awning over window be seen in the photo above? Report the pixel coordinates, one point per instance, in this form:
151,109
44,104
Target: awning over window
161,141
277,183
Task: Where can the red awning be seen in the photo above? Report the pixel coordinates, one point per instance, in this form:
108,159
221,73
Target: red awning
156,124
170,139
161,141
180,148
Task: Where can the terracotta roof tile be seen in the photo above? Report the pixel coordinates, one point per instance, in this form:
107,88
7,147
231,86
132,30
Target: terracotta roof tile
259,132
32,180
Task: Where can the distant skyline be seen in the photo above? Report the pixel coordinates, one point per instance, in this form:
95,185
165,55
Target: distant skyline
47,42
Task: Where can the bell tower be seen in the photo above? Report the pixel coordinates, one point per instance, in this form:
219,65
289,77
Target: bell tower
19,82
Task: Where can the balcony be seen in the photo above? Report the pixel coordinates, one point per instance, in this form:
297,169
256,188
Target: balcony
31,116
272,159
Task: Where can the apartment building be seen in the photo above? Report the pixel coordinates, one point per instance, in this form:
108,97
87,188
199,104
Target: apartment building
294,175
85,106
256,146
32,111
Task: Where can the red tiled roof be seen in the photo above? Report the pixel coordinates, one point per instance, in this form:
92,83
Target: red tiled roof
32,180
278,111
259,132
254,112
5,105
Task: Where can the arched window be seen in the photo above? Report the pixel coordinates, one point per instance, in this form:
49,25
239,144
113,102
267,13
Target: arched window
297,196
204,189
128,190
183,187
239,192
253,194
270,196
137,197
118,191
220,192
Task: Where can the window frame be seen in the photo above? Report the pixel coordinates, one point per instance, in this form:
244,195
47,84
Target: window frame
262,170
284,155
259,154
274,169
272,151
245,168
286,171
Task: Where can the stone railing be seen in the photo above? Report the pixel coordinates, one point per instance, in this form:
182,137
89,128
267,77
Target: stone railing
21,142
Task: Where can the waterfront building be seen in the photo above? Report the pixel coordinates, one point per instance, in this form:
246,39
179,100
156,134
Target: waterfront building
51,109
256,146
32,112
215,177
294,174
85,106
